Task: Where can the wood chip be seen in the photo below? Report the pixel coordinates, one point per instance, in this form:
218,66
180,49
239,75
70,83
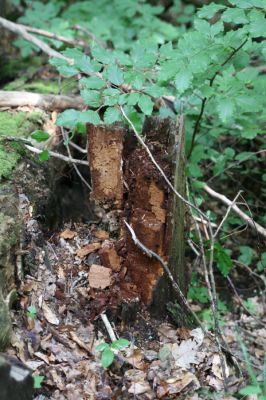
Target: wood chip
89,248
68,234
99,277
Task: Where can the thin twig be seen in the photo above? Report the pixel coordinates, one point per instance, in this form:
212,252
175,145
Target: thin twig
226,215
108,327
74,161
65,137
54,36
204,100
242,303
254,225
80,149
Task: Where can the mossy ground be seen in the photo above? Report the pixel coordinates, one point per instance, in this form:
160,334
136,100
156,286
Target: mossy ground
16,124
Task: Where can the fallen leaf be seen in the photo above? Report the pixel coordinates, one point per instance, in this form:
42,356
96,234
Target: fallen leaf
184,354
68,234
99,277
89,248
139,388
101,234
49,315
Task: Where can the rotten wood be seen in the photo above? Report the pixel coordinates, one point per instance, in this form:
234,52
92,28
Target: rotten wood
124,178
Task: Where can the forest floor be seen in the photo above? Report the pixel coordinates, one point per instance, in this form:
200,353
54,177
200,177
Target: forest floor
58,324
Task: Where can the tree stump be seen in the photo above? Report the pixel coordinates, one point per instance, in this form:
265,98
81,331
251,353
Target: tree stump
126,182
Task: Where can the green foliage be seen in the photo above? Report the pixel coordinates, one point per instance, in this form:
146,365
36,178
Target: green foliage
32,312
108,351
40,136
37,381
8,161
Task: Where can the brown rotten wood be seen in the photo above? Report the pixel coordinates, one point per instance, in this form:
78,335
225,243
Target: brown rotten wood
126,182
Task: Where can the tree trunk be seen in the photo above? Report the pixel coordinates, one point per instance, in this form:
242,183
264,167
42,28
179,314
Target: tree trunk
126,184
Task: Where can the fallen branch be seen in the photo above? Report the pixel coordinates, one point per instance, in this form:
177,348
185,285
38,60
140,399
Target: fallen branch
21,31
254,225
47,102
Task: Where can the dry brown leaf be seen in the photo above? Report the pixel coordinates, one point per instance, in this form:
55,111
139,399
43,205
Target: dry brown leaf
139,388
135,358
101,234
99,277
68,234
109,256
49,315
42,356
80,342
88,248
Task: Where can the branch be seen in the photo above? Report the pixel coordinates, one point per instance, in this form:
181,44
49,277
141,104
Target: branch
57,155
54,36
254,225
21,31
47,102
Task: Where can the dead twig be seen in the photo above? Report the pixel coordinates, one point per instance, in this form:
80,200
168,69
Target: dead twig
54,36
57,155
108,327
21,31
254,225
65,137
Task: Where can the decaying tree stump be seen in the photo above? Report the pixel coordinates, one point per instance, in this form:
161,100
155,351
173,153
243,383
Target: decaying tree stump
126,183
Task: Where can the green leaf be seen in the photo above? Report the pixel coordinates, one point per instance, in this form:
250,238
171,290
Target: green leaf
102,346
120,344
225,108
145,104
93,82
257,24
234,15
223,260
209,10
183,80
64,67
89,116
91,97
262,263
68,118
111,115
115,75
249,390
40,136
248,3
44,155
37,381
246,255
107,357
133,98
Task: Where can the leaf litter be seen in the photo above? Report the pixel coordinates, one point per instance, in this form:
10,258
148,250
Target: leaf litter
69,290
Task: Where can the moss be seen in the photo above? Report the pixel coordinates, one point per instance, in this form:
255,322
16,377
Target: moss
42,86
7,161
19,123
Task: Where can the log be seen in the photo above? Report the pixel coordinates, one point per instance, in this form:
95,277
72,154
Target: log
46,102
